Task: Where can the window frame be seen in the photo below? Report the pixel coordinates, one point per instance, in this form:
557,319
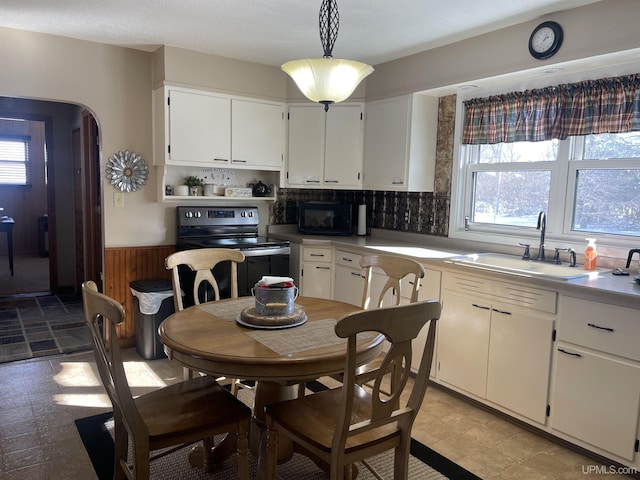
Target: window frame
26,140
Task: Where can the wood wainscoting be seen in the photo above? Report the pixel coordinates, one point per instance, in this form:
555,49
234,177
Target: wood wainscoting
123,265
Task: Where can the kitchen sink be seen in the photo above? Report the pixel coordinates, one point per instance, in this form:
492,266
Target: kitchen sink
513,264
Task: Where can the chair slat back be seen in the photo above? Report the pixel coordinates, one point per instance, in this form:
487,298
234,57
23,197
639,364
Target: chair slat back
395,268
97,308
400,325
202,261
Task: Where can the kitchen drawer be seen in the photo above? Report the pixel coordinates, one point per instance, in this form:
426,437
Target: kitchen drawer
505,293
600,326
317,254
348,259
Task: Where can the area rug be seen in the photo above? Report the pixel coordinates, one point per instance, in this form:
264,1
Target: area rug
42,325
97,436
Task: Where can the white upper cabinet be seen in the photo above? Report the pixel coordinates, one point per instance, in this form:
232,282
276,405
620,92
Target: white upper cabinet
400,143
191,128
325,148
200,128
257,134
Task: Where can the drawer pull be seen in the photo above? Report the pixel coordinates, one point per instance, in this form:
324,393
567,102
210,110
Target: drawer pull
480,306
323,268
504,312
347,259
606,329
570,353
356,274
316,254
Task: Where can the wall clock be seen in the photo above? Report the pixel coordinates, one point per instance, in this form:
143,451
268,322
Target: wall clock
545,40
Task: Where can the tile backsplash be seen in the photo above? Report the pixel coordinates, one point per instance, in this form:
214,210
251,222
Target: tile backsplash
416,212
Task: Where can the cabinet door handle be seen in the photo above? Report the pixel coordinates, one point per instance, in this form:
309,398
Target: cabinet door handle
347,259
504,312
331,181
356,274
324,268
606,329
238,161
312,181
395,182
480,306
573,354
220,160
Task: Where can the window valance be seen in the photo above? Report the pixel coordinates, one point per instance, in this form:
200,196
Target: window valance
609,105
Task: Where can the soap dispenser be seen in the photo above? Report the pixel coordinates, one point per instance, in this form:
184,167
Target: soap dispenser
590,255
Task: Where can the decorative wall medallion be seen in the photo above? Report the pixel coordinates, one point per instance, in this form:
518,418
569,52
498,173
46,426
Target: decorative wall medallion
127,171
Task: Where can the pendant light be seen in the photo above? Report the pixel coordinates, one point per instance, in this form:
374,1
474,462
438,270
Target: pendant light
327,80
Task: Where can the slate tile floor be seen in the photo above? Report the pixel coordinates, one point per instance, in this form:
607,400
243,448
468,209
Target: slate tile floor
38,326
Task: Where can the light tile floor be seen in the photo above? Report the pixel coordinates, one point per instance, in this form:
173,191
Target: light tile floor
41,398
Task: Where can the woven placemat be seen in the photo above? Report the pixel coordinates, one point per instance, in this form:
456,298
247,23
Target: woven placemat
308,336
228,311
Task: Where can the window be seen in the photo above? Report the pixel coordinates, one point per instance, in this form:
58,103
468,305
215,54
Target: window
595,179
510,182
14,160
607,184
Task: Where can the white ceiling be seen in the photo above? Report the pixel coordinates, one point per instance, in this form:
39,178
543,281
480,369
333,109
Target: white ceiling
275,31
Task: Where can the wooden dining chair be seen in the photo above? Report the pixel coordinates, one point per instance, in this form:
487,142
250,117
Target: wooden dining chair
396,269
172,416
202,261
350,424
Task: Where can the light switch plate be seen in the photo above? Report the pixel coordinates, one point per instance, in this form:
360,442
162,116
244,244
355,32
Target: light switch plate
118,200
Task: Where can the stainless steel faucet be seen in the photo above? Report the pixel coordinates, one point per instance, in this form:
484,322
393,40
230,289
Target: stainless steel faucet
542,226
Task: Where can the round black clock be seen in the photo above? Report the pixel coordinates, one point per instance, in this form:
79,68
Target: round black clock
545,40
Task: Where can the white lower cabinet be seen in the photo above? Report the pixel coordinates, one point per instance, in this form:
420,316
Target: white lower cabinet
463,343
316,271
596,399
349,281
519,362
493,346
596,383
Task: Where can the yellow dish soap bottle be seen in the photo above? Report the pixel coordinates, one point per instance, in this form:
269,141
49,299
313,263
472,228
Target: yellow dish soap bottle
590,255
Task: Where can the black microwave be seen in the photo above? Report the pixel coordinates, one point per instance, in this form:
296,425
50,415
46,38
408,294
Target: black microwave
323,218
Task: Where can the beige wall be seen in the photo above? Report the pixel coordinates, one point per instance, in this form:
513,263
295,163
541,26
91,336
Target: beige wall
597,29
116,83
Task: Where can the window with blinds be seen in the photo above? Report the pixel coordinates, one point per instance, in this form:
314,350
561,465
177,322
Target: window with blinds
14,160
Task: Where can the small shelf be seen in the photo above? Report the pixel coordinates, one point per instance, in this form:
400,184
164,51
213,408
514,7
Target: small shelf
214,198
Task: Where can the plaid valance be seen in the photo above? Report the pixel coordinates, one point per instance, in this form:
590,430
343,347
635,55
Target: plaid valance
608,105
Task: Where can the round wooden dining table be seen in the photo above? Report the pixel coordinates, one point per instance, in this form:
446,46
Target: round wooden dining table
211,338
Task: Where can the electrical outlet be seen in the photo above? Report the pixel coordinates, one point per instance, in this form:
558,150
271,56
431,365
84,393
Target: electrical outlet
407,216
118,200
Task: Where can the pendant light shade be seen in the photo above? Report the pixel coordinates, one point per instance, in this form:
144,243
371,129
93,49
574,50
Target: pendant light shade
327,80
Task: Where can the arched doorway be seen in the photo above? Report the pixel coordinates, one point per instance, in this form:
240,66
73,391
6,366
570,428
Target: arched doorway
58,239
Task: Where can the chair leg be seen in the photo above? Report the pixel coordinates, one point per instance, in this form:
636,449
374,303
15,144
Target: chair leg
401,461
121,447
269,454
243,450
187,373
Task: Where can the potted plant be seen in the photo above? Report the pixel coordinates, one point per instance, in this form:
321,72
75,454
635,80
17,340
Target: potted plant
195,185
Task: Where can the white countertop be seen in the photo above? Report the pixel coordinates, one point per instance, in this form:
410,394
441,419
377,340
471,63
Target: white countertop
436,251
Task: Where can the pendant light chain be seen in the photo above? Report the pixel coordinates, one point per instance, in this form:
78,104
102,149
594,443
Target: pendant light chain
329,23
